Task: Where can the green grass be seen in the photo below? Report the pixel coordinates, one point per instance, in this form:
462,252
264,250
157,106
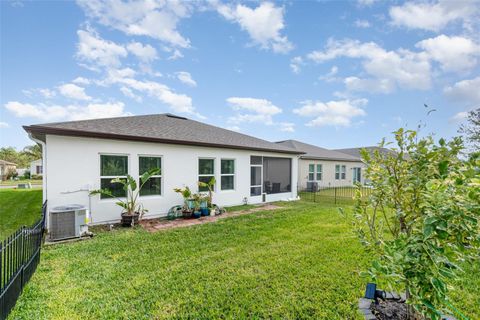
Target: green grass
17,208
14,183
301,261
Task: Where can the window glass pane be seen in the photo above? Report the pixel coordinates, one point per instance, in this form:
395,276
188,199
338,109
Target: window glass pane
148,163
255,191
277,175
115,188
319,168
255,160
227,183
310,176
205,179
255,176
228,166
311,168
113,165
205,166
152,187
319,176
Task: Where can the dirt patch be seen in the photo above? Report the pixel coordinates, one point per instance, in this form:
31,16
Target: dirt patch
391,310
154,225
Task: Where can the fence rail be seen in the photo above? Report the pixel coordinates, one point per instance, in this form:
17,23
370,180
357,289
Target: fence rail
19,257
332,194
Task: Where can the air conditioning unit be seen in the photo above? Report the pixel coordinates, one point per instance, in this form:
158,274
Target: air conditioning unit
312,186
68,221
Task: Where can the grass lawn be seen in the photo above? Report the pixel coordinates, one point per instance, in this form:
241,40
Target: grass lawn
15,182
300,261
17,208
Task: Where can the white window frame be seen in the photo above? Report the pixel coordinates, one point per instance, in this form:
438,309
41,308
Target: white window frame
154,176
228,174
317,172
112,177
354,175
261,176
311,172
206,175
341,171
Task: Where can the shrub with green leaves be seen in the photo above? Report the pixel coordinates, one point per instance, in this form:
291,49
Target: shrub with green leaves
421,219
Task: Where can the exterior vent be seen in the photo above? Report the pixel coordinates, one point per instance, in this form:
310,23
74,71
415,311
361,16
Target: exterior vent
175,117
264,197
67,222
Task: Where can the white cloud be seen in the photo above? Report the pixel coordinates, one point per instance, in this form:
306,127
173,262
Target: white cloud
330,76
466,92
366,3
433,16
146,53
233,128
453,53
92,49
264,24
296,64
155,19
253,110
402,68
459,117
81,80
362,24
287,126
4,125
73,91
186,78
45,112
129,93
332,113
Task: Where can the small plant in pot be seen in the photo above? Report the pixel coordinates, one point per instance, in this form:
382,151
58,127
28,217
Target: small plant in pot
133,210
204,206
210,185
197,199
188,203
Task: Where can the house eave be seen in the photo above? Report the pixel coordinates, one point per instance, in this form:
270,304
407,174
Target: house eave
40,132
329,159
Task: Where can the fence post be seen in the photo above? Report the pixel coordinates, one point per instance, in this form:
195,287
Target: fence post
335,193
314,196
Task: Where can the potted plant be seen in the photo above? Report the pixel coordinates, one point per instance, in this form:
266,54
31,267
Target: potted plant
204,209
210,185
133,210
197,198
188,203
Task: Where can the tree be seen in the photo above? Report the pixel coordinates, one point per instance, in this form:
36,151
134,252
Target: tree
21,158
421,219
34,152
471,129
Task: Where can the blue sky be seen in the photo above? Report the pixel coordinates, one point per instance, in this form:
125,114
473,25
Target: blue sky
331,73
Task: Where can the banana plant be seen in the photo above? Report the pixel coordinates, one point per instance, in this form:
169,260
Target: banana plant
210,185
130,203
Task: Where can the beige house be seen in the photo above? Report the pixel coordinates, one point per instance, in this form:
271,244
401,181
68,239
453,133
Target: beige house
320,167
5,168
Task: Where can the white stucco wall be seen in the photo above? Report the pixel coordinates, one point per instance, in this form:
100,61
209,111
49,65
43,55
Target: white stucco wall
73,164
328,175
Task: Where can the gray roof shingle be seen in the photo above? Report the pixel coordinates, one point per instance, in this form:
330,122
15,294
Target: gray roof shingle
165,128
314,152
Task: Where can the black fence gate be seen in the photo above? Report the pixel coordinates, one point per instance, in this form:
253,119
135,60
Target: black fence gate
19,257
332,194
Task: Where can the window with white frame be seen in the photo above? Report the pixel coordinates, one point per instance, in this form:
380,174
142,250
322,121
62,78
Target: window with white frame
206,171
227,174
311,172
319,172
340,172
152,186
111,167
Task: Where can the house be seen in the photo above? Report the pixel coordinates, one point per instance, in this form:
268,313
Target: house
325,168
356,151
6,167
36,168
80,156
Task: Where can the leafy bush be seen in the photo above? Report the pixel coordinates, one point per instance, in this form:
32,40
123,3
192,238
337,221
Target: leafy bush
37,177
421,219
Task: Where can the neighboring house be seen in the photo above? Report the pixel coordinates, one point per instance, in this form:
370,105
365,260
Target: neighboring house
5,168
85,155
325,168
355,152
36,167
21,171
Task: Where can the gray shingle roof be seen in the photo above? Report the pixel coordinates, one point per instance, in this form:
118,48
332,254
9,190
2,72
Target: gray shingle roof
356,151
314,152
165,128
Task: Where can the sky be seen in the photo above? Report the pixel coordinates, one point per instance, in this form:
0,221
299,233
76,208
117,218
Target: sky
335,74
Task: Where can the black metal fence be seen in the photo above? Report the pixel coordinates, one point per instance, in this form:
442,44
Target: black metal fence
332,194
19,257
